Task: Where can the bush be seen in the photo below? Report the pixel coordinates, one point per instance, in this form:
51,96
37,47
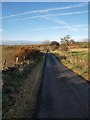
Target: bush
64,47
54,45
26,53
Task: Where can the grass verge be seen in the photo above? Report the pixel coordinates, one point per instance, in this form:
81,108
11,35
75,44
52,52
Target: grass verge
81,70
26,100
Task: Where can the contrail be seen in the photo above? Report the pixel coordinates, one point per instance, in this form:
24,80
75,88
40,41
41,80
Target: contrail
48,15
46,10
73,26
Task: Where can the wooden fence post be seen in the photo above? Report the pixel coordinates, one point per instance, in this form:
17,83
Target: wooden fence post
17,61
4,64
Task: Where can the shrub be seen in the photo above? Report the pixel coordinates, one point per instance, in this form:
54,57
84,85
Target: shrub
64,47
54,45
28,52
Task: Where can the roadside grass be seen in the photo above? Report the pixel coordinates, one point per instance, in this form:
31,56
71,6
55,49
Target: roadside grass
76,60
27,91
80,70
8,53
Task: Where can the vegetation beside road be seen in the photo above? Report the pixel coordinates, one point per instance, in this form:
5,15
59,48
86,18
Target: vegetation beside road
26,99
20,77
77,61
74,55
21,83
9,52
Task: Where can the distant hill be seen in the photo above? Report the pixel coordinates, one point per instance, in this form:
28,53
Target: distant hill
19,42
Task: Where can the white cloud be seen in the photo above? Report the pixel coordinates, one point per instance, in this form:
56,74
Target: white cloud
80,38
47,10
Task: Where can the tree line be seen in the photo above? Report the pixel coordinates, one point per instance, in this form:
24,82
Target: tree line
65,43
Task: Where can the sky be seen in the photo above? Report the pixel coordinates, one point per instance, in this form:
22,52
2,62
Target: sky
45,0
39,21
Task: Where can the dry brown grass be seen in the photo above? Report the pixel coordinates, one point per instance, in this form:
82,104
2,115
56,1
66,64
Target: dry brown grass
76,60
79,49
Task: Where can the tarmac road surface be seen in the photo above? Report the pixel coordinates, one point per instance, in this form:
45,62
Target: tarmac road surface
63,93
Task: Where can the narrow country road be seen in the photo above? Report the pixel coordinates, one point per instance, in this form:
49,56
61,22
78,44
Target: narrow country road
63,94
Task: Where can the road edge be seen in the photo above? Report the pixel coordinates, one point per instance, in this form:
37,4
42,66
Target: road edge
36,109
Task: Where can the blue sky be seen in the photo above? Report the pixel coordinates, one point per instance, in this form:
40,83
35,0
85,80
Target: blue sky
38,21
